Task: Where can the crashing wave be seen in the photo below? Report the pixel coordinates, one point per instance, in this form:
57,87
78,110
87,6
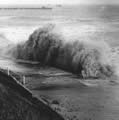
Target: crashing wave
62,48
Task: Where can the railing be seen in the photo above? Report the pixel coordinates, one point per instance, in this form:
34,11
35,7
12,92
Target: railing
16,82
21,81
19,78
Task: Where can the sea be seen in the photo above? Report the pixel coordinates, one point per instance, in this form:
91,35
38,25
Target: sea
99,22
92,22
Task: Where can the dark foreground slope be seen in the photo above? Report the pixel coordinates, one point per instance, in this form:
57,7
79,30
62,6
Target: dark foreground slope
53,47
17,103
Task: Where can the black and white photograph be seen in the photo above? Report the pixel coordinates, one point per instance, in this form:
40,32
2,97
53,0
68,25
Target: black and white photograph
59,59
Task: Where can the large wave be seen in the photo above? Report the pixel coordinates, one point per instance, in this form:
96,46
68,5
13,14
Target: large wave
62,48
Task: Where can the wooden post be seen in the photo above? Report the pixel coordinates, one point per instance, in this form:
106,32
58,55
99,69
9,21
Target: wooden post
24,80
8,72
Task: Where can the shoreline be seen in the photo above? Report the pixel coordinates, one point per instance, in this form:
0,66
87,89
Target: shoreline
70,96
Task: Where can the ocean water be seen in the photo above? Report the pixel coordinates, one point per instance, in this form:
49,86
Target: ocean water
89,22
99,22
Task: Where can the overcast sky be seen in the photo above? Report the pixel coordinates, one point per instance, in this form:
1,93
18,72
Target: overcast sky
59,2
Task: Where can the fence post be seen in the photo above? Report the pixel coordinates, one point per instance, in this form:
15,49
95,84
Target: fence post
24,80
8,72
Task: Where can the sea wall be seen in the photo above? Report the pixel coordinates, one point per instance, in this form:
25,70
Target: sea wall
18,103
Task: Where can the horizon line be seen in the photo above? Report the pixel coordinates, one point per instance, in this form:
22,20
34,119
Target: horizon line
59,4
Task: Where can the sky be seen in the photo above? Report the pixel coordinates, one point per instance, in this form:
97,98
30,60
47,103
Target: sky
11,2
